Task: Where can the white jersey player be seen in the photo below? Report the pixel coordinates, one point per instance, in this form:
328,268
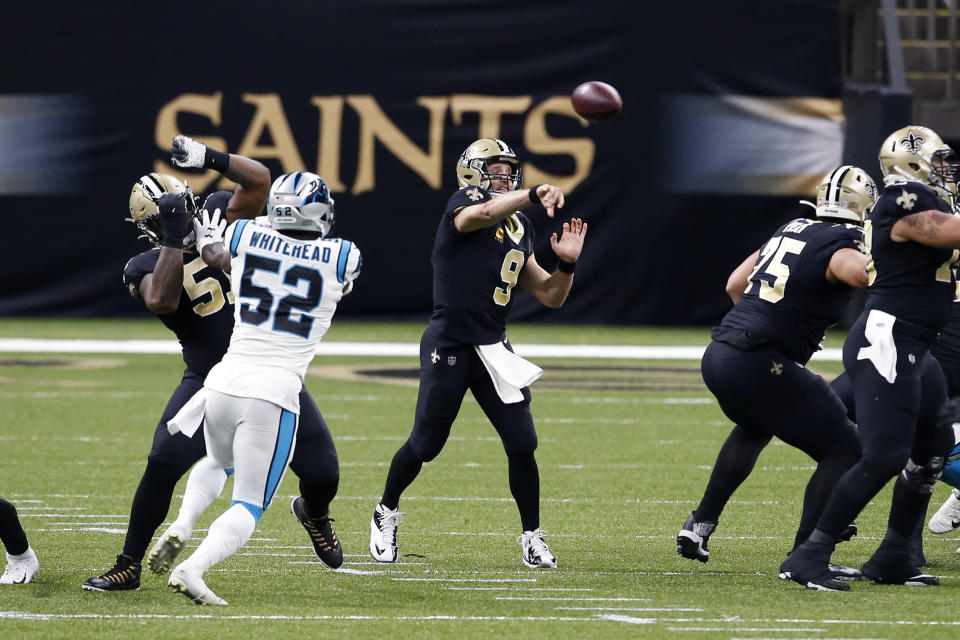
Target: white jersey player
288,277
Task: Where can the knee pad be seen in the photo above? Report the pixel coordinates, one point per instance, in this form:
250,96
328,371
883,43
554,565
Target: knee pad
922,478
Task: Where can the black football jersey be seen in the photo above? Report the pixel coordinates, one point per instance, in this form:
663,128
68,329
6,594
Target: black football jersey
474,273
789,302
203,321
909,280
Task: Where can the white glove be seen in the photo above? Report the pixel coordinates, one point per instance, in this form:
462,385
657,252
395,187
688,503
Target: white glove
209,229
187,152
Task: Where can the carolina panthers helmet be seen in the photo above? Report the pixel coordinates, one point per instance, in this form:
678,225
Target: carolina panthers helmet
847,193
300,201
143,205
919,154
472,165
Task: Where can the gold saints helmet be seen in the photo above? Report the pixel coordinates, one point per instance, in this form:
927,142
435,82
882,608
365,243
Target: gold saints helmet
472,165
143,205
846,193
919,154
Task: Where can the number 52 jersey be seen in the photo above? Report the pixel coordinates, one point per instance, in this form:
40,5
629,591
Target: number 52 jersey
287,291
789,302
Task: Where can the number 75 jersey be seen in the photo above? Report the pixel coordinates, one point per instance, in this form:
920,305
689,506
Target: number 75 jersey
788,300
287,291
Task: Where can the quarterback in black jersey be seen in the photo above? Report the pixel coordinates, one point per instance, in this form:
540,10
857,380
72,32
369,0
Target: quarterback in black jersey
483,249
195,302
786,294
898,387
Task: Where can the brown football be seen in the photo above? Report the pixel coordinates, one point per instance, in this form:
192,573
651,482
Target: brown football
596,101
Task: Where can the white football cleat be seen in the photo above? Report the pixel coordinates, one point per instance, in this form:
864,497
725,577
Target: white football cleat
383,534
168,547
536,554
189,582
20,569
947,517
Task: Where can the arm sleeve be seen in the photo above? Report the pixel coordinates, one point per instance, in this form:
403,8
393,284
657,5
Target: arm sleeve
913,198
233,234
463,199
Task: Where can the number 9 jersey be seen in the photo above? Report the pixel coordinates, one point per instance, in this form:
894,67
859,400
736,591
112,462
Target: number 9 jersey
474,273
789,302
287,291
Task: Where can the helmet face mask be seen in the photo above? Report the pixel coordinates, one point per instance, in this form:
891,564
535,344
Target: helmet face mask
846,193
143,206
473,165
918,154
301,201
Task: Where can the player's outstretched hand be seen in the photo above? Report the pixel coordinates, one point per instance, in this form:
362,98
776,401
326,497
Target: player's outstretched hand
209,229
550,198
570,243
172,208
187,152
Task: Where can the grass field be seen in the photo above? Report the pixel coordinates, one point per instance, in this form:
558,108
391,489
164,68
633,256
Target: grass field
625,451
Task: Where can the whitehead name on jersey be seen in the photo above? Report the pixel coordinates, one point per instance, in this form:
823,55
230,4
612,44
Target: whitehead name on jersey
287,291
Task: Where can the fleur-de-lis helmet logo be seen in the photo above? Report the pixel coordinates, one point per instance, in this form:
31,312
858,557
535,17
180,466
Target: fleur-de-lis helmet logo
912,142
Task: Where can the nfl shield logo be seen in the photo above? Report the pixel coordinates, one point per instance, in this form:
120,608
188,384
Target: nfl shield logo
451,360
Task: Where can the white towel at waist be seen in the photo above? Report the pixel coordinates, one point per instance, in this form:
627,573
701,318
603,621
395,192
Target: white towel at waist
190,416
882,351
510,373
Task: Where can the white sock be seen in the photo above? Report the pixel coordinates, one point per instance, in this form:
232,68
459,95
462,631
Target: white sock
23,556
204,485
227,535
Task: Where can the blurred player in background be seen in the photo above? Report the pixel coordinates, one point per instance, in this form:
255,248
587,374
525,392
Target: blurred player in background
786,294
483,249
898,386
289,276
195,301
22,563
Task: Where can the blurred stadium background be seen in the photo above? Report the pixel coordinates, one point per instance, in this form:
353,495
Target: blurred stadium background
731,115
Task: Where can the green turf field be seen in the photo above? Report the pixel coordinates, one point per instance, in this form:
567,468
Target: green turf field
625,451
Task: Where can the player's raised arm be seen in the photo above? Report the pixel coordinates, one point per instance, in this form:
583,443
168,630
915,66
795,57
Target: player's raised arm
552,289
252,178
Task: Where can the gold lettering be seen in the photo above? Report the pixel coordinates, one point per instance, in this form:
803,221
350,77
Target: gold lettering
166,129
490,109
537,140
330,132
374,125
269,117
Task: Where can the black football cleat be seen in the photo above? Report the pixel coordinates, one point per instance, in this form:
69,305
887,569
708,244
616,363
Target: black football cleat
321,533
896,568
848,533
693,538
124,576
811,573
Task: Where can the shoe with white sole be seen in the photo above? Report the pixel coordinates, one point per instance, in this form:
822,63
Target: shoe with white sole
383,534
189,582
693,538
947,517
536,554
21,568
168,547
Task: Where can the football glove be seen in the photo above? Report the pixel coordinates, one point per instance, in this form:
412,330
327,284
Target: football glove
172,208
187,152
209,228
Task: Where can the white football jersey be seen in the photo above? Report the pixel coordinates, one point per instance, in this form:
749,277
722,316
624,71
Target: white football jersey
287,291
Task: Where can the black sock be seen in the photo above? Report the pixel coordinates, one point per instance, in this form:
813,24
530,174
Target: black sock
734,464
525,487
317,496
818,492
907,512
851,494
404,469
11,532
150,506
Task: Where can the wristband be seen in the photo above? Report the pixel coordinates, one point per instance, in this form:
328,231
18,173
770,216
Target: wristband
566,267
172,240
532,194
217,160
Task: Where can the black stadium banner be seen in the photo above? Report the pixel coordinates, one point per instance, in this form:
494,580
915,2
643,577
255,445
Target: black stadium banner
381,96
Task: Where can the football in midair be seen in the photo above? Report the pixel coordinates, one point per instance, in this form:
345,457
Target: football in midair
596,101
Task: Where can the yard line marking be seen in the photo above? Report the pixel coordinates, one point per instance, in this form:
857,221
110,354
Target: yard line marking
627,609
100,529
785,629
24,615
627,619
579,599
518,589
468,579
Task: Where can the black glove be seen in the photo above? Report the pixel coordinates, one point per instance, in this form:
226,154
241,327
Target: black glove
173,218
